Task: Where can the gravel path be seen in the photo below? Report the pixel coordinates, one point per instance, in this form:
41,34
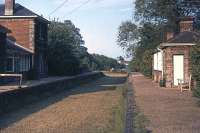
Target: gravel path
168,110
85,109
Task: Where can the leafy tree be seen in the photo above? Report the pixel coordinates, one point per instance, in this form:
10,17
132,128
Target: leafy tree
64,41
62,61
147,38
120,58
128,36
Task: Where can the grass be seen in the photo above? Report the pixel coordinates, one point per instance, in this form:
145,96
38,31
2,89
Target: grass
120,111
140,122
139,119
117,123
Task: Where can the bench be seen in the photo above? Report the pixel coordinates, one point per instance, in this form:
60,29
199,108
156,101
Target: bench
14,75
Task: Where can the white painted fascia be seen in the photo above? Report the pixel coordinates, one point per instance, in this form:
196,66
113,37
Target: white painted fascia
18,16
177,44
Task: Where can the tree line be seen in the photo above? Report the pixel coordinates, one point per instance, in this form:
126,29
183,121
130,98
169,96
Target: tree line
67,54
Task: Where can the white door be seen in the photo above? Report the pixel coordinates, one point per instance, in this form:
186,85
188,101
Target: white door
178,68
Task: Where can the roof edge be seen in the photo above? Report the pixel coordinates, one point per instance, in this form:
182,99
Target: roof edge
27,17
18,16
163,45
16,44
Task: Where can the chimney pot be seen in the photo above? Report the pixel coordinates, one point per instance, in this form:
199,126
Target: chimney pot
186,24
9,7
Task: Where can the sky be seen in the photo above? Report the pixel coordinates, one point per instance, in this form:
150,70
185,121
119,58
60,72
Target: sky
98,20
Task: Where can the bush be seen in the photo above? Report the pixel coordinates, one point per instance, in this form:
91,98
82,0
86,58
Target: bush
62,61
162,83
195,61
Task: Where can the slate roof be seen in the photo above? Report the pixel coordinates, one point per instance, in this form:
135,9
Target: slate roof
20,11
10,45
185,37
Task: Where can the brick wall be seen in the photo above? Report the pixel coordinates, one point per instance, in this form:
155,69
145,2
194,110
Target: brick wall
168,63
20,30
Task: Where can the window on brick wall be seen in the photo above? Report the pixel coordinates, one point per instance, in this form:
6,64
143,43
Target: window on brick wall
10,64
40,30
25,63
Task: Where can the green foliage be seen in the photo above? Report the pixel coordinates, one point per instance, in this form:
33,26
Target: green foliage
105,63
149,38
64,40
195,61
119,111
163,83
140,122
62,61
127,36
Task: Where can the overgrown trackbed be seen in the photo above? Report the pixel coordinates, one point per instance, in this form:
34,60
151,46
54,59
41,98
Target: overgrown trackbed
85,109
168,110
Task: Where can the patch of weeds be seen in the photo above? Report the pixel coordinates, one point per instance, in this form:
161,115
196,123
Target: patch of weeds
140,122
118,112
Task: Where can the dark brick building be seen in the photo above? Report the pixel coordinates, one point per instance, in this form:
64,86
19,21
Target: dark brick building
174,54
23,41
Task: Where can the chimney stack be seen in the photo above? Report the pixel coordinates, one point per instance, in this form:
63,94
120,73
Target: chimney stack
186,24
169,35
9,7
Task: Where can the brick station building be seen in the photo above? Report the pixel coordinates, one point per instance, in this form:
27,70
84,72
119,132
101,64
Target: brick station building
23,41
172,60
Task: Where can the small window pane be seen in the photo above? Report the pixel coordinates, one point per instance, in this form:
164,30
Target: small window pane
9,65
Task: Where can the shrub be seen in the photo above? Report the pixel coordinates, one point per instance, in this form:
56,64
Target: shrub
62,61
195,65
162,83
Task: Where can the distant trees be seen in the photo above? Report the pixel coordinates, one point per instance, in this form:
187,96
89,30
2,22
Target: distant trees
105,63
67,54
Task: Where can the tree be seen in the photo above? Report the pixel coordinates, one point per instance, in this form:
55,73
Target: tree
128,36
62,60
64,41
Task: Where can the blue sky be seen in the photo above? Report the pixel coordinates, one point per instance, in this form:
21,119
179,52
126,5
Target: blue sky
98,20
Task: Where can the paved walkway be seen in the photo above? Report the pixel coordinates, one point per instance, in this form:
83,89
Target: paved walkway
168,110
